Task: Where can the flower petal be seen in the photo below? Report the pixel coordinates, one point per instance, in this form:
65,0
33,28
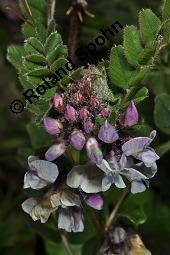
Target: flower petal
108,133
135,145
95,201
71,219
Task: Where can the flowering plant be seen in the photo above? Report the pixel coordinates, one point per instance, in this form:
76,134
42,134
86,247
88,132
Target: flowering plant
87,122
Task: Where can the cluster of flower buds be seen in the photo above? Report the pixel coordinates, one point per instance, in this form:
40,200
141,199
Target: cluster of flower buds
76,111
112,156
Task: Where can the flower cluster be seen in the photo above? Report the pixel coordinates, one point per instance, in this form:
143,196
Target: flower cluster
113,157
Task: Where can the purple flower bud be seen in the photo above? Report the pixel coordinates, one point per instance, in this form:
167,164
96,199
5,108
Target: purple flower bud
55,151
52,126
88,126
77,140
94,151
105,112
84,113
95,201
58,101
108,133
71,113
131,115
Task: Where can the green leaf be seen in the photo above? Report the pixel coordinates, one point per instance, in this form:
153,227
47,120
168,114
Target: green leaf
136,216
52,42
39,72
147,53
59,63
150,25
166,9
36,44
162,113
141,95
138,76
39,138
14,55
118,72
36,58
51,27
163,149
132,45
59,51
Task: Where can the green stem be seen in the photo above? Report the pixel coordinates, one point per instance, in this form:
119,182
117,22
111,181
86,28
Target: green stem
51,12
66,244
116,209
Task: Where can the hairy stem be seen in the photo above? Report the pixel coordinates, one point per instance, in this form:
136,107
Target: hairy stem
51,12
116,209
73,34
66,244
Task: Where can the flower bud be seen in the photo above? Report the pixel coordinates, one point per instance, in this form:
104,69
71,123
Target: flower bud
104,112
88,126
52,126
71,113
93,151
95,201
55,151
108,133
94,101
77,139
58,101
131,116
84,113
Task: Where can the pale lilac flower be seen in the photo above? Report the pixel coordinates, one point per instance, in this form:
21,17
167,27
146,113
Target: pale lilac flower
77,139
139,148
36,209
114,169
71,113
52,126
93,151
108,133
58,101
88,126
86,177
55,151
71,219
131,116
40,174
95,201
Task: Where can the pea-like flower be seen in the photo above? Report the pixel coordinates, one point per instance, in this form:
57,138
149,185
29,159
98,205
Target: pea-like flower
131,115
93,150
138,148
52,126
108,133
77,139
55,151
40,174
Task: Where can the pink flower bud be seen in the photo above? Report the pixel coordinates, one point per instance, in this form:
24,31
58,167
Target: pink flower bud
88,126
105,112
71,113
95,201
58,101
55,151
131,115
84,113
52,126
108,133
93,151
94,101
77,140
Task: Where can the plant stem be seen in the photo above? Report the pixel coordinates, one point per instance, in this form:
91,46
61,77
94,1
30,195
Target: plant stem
52,4
66,244
116,209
